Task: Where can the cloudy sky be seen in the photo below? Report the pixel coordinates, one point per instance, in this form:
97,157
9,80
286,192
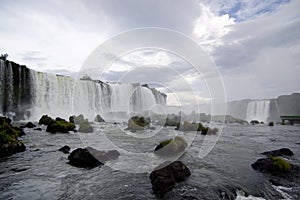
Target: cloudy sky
255,44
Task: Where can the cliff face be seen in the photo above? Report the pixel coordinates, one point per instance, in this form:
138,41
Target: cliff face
289,104
30,94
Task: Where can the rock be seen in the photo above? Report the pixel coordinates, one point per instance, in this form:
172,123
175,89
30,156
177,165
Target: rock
85,127
90,157
138,123
79,119
83,158
98,118
38,129
279,152
30,125
9,144
164,179
271,124
46,120
71,119
171,147
253,122
65,149
209,131
60,125
271,165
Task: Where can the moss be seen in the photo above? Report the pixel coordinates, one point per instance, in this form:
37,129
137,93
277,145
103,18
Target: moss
4,137
60,125
171,146
281,164
138,123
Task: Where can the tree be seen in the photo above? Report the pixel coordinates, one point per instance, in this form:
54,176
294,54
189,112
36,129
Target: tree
4,56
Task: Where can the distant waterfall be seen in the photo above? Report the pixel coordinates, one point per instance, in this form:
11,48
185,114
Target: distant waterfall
258,110
24,90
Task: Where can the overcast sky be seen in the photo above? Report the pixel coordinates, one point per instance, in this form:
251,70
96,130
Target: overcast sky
255,44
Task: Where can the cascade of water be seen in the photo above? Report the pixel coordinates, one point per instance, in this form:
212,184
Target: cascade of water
258,110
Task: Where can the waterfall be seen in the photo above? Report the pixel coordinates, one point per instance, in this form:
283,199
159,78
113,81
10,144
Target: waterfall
258,110
63,96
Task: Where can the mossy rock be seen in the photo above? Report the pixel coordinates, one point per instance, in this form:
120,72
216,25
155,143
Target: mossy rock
9,144
85,127
170,122
138,123
46,120
171,147
60,125
281,164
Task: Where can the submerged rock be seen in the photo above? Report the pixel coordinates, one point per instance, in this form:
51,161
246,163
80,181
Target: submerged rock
164,179
30,125
65,149
98,118
9,144
90,157
279,152
253,122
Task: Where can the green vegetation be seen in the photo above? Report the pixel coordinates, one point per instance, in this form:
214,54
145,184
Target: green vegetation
281,164
171,146
138,123
60,125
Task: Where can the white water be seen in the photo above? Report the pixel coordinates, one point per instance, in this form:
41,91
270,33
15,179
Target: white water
62,96
258,110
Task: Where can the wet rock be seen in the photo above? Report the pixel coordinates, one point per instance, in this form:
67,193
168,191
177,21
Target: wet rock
164,179
90,157
30,125
9,144
98,118
79,119
65,149
253,122
60,125
279,152
171,147
85,127
137,123
38,129
271,124
46,120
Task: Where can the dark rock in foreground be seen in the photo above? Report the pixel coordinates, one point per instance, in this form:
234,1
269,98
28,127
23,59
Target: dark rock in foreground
9,144
91,158
30,125
65,149
164,179
279,152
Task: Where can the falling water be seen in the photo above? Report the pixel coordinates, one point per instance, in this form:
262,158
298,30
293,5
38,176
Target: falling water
258,110
62,96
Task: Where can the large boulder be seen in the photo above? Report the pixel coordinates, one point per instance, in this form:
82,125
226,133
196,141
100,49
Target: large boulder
46,120
90,157
138,123
98,118
85,127
60,125
279,152
171,147
164,178
9,144
78,119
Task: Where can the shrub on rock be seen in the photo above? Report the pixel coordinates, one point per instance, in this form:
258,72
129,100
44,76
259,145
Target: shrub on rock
46,120
171,147
60,125
138,123
9,144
